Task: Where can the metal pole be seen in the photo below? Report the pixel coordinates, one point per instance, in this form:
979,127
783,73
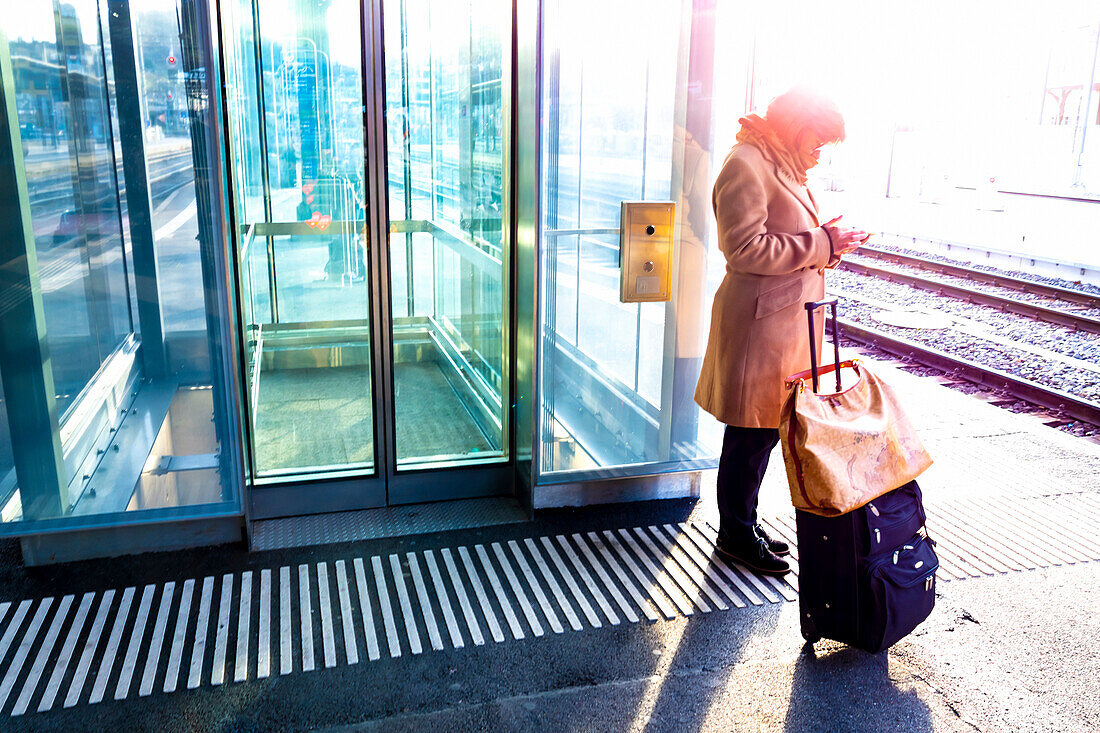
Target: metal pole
407,167
1088,107
645,160
551,250
682,354
265,174
750,85
1046,89
116,183
813,350
525,222
836,345
136,173
890,165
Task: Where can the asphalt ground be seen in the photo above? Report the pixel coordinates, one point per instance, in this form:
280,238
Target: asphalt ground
1015,651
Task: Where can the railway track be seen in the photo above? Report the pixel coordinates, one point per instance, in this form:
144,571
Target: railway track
1061,403
1003,260
1002,280
1080,320
164,178
1071,312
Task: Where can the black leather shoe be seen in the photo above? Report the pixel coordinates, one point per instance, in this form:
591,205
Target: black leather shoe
777,546
753,554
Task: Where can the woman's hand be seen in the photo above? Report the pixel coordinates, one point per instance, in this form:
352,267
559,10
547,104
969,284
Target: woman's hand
844,240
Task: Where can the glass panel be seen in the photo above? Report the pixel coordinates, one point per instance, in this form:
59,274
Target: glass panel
241,99
445,119
170,163
134,443
296,141
614,349
617,378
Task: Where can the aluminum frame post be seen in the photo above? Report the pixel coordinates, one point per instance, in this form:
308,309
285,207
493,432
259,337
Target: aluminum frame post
524,220
265,171
27,375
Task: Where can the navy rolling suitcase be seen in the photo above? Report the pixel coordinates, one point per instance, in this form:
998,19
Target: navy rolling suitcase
866,578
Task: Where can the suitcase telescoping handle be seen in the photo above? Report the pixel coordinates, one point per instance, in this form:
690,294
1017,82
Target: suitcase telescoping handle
810,308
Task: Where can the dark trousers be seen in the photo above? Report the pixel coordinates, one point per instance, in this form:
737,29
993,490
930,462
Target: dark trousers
745,454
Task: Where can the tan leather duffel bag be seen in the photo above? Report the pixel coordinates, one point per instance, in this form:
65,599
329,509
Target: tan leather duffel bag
846,448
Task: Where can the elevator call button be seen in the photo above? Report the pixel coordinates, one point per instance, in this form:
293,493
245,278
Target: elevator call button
645,251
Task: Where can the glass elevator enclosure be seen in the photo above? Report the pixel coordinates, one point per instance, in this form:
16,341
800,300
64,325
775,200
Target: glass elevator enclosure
368,192
617,379
265,259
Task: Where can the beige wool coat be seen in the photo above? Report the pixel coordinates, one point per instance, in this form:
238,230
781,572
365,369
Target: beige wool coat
776,253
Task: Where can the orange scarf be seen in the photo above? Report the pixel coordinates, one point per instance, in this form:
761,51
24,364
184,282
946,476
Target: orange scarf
756,131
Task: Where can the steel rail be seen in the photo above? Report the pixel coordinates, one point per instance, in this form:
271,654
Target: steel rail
970,273
1050,398
1038,312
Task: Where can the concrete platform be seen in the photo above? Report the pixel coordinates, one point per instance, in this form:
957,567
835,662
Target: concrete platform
605,618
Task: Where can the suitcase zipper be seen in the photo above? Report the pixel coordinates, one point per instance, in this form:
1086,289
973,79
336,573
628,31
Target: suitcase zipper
925,568
890,522
901,550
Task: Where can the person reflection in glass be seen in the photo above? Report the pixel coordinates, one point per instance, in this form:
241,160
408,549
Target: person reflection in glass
336,196
776,253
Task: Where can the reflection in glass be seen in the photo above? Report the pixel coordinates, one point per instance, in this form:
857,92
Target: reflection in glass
615,386
445,117
114,440
294,87
168,150
64,123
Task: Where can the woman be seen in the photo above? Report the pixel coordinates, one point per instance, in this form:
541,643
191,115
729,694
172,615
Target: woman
776,253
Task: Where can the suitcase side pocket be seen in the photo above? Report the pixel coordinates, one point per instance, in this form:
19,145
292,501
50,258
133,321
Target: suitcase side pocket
902,592
893,518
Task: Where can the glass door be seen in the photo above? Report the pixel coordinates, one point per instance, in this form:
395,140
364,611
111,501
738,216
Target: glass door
445,119
366,146
294,92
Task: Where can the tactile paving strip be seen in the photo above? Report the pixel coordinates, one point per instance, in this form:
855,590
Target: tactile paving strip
291,619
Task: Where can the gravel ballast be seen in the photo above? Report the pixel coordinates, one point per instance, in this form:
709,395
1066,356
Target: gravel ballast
1043,369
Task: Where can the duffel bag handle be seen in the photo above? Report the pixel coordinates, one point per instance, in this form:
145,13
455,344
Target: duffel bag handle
810,308
822,371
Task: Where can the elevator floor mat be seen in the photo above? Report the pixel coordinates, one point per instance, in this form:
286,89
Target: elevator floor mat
310,418
431,419
322,418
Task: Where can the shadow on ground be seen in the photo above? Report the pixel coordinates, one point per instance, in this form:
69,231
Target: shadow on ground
847,689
